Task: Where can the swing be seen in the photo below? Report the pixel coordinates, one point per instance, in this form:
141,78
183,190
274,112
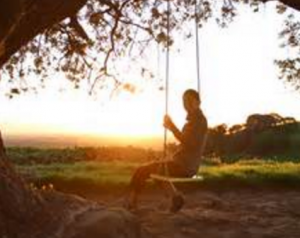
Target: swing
195,178
166,178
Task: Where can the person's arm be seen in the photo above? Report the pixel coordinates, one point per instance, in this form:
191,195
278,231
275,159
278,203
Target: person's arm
168,124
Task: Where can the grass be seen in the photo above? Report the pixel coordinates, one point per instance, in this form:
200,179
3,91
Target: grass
118,173
90,171
254,171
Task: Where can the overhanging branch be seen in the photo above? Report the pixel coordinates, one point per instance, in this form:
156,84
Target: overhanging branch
295,4
42,15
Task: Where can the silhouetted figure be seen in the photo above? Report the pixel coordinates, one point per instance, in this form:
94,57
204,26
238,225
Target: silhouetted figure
185,162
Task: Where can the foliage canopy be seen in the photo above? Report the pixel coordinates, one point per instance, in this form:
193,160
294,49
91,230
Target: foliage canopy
80,38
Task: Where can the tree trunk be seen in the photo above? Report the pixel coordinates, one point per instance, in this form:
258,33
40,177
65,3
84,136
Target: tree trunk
18,203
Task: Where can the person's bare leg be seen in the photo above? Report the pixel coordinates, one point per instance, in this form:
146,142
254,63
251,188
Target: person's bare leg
137,183
177,199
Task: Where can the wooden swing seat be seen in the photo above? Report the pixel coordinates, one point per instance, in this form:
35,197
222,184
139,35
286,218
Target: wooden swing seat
195,178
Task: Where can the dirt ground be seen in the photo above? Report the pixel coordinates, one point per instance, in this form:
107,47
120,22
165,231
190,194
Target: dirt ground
240,213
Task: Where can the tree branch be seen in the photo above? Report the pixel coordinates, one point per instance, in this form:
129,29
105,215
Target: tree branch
74,23
103,70
295,4
43,14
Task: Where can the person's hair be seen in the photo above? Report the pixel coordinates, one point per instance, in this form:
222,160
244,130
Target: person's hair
193,93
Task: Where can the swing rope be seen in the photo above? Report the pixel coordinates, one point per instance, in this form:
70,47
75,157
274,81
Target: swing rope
165,155
197,44
167,79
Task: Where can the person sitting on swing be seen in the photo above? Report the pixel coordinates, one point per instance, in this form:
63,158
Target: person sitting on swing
185,162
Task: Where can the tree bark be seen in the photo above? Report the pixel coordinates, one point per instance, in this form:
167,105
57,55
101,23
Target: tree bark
22,20
18,203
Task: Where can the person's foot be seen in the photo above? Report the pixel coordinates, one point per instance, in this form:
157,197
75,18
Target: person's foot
177,203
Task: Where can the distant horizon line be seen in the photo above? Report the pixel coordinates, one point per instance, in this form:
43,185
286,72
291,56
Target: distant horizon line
63,140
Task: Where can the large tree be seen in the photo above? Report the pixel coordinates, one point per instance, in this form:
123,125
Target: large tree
78,38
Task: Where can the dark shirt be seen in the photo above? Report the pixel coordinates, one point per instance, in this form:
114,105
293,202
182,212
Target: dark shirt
193,138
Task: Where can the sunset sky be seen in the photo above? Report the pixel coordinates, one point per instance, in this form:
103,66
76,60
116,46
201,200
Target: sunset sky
238,78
